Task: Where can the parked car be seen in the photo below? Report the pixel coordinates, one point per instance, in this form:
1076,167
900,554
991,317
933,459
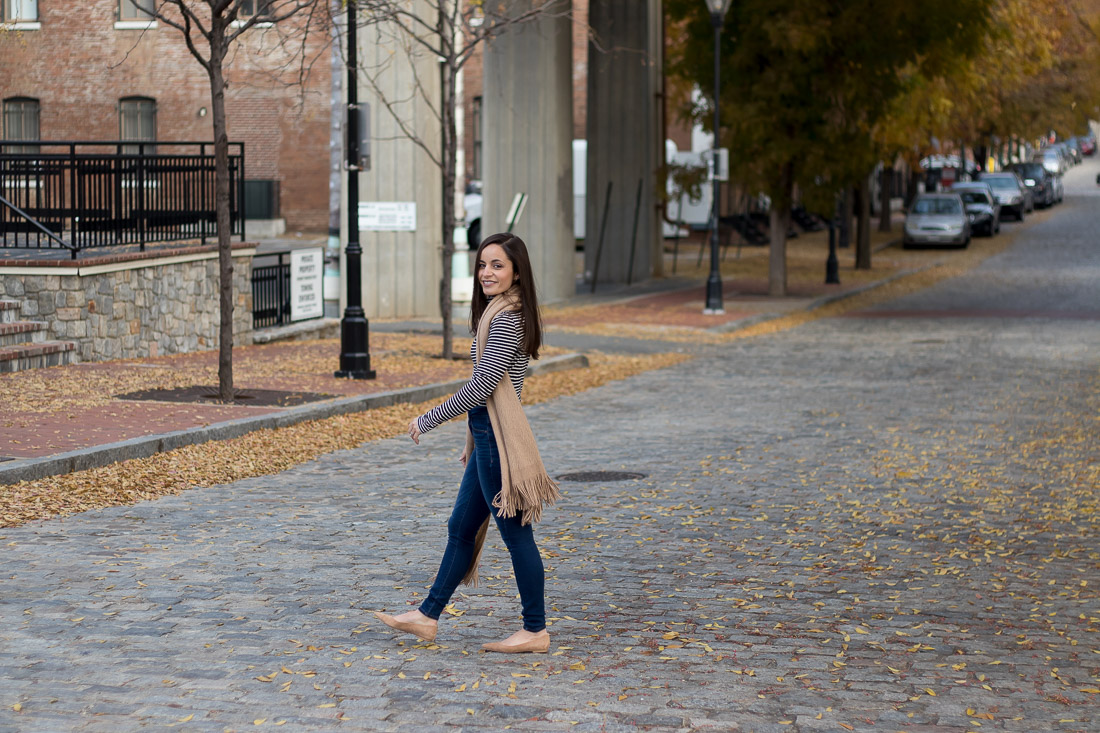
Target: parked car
937,218
1046,188
1011,192
982,209
1088,144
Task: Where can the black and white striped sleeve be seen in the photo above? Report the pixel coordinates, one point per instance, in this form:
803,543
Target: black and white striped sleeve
504,340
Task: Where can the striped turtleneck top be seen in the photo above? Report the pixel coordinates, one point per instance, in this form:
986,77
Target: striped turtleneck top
503,353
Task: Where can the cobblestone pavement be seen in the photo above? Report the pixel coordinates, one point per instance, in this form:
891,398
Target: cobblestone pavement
885,522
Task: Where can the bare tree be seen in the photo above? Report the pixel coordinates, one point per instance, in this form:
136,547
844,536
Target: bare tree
210,28
448,31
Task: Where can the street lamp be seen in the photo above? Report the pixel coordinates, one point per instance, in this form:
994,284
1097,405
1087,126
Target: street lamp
717,10
354,331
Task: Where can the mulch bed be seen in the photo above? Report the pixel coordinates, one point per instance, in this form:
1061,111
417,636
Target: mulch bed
209,395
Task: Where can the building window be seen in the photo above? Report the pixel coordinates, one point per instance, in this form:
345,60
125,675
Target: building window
249,8
141,10
137,120
19,11
475,164
21,123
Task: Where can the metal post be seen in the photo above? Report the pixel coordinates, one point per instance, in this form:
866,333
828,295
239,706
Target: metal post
714,282
832,267
354,330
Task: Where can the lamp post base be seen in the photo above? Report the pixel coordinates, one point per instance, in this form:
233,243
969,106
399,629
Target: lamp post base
354,356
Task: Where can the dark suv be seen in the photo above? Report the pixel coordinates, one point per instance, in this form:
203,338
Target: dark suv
1038,179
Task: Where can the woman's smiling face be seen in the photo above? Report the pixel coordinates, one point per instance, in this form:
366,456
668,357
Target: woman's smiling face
495,272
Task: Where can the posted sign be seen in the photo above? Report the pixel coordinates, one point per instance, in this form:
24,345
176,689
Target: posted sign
387,216
307,270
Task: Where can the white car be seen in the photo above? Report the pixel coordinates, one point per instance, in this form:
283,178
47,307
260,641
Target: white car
937,218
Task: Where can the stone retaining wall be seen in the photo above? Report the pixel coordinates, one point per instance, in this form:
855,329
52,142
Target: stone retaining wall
119,308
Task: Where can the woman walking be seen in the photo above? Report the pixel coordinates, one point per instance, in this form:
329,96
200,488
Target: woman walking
504,477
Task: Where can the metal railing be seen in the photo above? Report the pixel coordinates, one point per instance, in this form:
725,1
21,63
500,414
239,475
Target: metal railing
271,292
105,194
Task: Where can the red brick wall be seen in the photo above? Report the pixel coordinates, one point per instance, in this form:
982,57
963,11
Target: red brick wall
78,66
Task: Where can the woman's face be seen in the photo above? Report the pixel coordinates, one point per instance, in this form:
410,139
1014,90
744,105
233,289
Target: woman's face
495,273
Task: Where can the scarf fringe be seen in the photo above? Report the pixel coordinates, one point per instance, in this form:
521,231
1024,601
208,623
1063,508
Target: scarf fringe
528,499
471,578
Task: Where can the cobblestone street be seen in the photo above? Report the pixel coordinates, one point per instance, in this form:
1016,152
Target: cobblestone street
886,521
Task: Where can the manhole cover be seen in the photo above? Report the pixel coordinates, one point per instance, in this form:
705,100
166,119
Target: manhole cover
593,476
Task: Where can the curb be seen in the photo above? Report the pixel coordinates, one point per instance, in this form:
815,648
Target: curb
817,302
29,469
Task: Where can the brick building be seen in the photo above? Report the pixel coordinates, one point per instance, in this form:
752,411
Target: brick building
100,70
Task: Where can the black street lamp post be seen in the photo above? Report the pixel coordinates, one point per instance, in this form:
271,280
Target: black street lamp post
354,330
832,267
717,10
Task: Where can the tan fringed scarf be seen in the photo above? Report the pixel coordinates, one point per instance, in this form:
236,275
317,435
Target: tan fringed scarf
525,486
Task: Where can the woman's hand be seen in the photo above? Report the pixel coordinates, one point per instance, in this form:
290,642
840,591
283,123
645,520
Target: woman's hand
465,456
414,431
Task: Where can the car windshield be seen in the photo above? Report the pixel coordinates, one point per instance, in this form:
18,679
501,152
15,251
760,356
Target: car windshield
974,197
936,206
1031,170
1000,182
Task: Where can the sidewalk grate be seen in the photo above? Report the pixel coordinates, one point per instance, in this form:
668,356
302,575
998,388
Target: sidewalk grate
593,476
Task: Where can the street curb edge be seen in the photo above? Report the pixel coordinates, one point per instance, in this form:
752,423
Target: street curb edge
29,469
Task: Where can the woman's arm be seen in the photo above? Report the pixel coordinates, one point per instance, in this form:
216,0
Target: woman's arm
504,339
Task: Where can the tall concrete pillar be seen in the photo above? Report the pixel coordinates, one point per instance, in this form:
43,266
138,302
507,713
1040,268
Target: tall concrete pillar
527,137
401,266
623,135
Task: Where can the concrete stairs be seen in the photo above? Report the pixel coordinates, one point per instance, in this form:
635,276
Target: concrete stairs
23,344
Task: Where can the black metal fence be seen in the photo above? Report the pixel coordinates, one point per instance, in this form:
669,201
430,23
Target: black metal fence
81,195
271,292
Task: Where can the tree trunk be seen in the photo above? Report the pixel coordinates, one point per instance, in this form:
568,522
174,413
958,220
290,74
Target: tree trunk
221,204
845,233
448,81
916,175
863,231
780,222
886,192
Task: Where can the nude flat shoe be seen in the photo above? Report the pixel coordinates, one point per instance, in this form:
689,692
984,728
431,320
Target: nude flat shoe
538,645
425,632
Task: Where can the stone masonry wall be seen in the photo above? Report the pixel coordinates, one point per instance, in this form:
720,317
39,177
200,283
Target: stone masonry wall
150,310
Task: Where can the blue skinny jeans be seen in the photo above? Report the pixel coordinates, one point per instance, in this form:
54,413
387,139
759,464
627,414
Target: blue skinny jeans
480,483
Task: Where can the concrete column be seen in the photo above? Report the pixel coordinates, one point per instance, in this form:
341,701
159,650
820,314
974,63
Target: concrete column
401,269
622,134
527,134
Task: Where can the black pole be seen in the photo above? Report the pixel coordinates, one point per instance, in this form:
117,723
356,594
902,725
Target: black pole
832,267
354,331
714,282
634,234
599,242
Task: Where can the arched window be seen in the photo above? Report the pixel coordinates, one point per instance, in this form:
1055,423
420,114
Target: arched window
137,120
21,123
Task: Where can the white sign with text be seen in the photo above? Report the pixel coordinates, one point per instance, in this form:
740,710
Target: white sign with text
387,216
307,271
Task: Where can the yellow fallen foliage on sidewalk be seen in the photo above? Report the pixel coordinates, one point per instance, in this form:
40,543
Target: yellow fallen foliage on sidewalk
266,452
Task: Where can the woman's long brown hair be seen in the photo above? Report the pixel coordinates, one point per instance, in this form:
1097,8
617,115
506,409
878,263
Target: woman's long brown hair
516,251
